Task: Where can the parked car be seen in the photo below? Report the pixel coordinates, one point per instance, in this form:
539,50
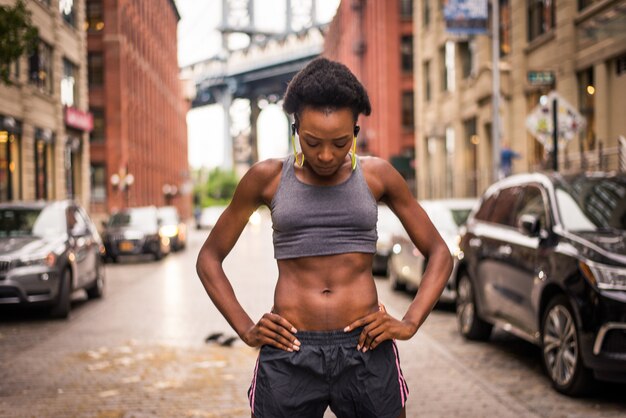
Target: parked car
388,224
135,231
544,256
172,227
407,264
209,216
47,251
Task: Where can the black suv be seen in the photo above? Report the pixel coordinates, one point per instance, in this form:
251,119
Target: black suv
135,231
47,251
544,256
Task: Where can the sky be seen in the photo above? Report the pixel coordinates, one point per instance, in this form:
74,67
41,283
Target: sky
199,39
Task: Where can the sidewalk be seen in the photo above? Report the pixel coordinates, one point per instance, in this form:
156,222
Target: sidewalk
140,379
440,386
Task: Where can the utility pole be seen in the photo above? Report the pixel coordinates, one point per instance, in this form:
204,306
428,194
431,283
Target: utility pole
495,95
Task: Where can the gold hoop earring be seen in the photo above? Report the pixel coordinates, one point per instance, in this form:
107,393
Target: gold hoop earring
295,152
354,154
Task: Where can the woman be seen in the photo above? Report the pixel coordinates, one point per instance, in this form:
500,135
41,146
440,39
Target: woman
326,341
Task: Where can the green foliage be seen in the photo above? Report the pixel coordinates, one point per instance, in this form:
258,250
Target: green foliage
221,184
218,188
17,36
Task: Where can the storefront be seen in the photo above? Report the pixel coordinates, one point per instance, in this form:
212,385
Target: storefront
77,124
10,159
44,163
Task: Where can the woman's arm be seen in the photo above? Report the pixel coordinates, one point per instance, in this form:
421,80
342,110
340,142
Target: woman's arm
249,195
392,190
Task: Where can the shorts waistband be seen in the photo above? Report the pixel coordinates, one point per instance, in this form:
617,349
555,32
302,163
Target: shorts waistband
332,337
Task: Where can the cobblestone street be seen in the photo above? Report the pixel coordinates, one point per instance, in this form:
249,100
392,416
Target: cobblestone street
141,352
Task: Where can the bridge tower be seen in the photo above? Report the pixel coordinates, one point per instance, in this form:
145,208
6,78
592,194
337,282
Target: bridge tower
260,83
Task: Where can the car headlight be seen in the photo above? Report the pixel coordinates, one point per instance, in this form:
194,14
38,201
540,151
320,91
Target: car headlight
168,231
37,260
603,276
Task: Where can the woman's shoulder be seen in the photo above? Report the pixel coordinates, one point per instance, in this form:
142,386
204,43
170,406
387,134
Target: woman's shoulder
375,165
264,173
268,168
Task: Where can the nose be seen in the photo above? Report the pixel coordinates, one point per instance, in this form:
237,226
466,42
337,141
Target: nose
325,155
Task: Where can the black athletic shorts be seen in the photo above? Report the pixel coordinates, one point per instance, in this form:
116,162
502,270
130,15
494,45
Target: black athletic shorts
328,371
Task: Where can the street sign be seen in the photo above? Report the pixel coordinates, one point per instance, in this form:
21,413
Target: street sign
466,17
540,78
539,121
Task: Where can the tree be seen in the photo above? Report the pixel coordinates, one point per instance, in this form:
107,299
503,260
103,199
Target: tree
17,36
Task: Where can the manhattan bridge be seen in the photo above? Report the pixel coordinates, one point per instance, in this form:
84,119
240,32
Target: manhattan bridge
258,72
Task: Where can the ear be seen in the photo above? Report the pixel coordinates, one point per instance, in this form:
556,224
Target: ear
357,128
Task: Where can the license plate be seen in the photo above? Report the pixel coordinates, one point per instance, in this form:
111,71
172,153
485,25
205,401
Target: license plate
126,246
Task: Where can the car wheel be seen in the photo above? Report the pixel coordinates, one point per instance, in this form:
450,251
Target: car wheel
159,255
561,349
96,290
470,324
64,301
394,280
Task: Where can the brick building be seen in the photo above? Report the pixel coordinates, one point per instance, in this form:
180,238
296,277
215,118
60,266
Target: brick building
139,141
44,123
375,40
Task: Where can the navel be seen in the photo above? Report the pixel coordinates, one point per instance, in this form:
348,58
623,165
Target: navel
326,291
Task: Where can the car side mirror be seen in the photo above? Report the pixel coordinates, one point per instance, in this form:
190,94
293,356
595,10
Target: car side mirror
529,225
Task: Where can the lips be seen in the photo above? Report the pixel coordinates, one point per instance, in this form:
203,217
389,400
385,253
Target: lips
325,170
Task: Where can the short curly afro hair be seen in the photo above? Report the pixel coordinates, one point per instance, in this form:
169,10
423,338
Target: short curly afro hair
326,84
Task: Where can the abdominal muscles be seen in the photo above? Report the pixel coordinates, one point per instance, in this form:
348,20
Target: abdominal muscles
325,292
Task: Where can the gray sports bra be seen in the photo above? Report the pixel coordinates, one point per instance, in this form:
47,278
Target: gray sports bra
311,220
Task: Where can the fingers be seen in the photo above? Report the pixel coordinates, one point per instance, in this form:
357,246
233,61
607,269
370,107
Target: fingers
278,332
362,321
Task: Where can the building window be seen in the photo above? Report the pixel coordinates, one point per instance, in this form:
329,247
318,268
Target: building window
406,51
408,118
97,134
95,69
40,67
505,27
94,21
427,87
9,168
98,183
69,86
466,52
73,164
620,65
41,169
450,145
406,9
447,60
586,98
68,11
540,17
582,4
471,145
14,71
426,13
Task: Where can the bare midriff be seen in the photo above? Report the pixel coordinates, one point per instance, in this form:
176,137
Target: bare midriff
325,292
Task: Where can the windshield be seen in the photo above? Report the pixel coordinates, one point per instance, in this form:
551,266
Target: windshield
591,204
144,219
32,222
446,220
168,216
460,215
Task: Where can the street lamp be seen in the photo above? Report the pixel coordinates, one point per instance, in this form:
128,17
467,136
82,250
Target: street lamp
169,191
122,182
